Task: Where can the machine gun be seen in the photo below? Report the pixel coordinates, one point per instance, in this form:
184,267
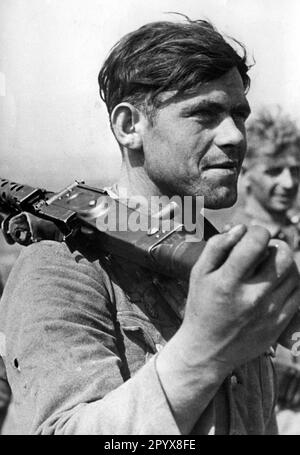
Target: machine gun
77,214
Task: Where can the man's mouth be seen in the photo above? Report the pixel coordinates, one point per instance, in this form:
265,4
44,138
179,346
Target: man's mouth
285,196
224,165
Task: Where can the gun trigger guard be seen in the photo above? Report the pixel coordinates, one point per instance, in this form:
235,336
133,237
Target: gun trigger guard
20,228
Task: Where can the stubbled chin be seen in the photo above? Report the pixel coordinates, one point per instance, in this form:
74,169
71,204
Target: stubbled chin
221,201
281,207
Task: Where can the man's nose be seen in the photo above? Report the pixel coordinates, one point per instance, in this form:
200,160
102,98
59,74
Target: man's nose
285,179
228,134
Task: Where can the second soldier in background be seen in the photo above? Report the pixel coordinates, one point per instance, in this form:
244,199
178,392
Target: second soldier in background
271,175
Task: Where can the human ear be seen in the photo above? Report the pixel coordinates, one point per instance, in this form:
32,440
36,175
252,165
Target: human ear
126,122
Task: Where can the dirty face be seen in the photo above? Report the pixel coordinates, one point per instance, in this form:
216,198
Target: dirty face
196,145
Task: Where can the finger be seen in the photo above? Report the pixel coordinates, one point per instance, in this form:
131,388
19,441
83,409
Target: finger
276,267
277,287
289,309
226,228
247,252
217,249
272,265
272,301
286,339
284,257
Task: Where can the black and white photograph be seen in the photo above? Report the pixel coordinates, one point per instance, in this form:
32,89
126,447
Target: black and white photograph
149,220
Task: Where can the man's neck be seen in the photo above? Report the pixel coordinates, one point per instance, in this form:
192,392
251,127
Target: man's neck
136,182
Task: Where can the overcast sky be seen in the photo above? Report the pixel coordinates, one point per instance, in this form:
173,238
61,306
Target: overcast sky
53,128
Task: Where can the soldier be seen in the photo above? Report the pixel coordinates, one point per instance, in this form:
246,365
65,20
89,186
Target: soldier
96,347
270,177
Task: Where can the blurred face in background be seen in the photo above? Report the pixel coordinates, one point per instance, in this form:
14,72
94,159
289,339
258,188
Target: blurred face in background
273,181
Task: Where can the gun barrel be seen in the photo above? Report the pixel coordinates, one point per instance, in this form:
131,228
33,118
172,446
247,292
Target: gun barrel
19,196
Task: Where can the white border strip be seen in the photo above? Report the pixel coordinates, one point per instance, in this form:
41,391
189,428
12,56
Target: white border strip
2,84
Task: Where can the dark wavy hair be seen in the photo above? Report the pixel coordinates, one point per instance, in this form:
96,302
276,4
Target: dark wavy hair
163,56
271,126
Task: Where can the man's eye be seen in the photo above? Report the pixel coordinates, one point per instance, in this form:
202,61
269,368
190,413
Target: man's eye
273,171
207,116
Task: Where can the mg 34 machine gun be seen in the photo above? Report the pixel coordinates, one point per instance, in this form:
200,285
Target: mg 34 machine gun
78,215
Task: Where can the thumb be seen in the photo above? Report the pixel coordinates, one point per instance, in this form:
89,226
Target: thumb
218,248
226,228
